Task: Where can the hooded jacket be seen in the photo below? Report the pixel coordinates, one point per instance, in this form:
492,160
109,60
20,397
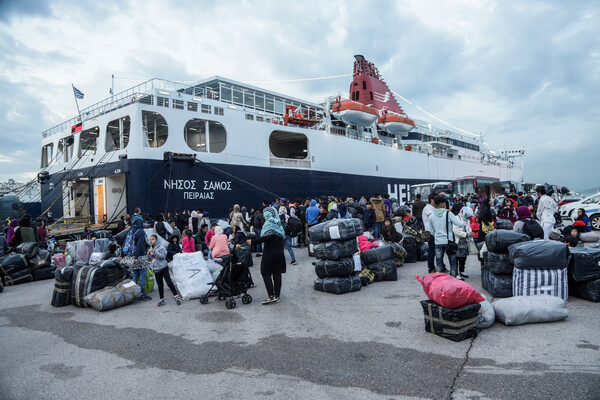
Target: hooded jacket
159,258
365,244
439,230
312,213
546,209
173,248
379,208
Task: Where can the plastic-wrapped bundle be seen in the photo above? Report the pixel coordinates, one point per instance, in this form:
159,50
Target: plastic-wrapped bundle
589,290
487,315
499,240
80,250
114,272
112,297
63,278
455,324
336,229
589,237
101,245
539,254
338,285
46,272
531,282
191,275
13,263
410,245
377,254
384,270
366,277
3,245
530,309
41,260
498,285
504,224
95,259
28,249
342,267
334,250
499,263
86,280
585,264
17,277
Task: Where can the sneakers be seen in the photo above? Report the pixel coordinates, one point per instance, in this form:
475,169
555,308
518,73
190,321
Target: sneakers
162,302
293,262
258,255
144,296
459,277
445,271
270,300
462,274
177,300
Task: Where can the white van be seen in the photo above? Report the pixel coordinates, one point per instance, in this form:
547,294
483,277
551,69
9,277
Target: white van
590,204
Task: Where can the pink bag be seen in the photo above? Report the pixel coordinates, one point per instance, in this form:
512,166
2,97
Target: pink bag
59,260
448,291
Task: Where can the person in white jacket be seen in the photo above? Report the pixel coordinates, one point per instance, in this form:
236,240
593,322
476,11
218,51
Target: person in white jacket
547,207
441,229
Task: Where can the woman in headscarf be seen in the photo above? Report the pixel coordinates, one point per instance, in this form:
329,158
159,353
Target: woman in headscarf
273,261
284,218
507,210
194,223
485,219
582,216
11,230
236,217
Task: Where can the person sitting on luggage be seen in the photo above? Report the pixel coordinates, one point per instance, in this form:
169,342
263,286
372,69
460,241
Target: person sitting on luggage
112,251
188,244
585,224
158,262
369,217
219,245
389,232
200,239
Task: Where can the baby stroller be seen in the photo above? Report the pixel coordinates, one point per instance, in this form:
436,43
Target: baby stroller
233,282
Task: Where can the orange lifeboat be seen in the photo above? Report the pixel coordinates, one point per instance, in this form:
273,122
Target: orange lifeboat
395,124
297,118
354,113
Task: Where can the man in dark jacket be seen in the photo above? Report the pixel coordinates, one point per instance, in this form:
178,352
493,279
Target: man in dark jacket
258,220
369,217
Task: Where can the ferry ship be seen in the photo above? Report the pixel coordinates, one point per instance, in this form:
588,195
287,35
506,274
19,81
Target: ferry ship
163,145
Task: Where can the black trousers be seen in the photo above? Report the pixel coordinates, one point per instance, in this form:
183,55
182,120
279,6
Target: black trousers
461,263
273,285
159,276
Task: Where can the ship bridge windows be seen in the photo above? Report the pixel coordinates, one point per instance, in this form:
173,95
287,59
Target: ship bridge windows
47,153
65,148
205,136
88,141
288,145
117,134
155,128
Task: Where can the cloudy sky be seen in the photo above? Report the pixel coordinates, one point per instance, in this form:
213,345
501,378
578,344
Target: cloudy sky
525,74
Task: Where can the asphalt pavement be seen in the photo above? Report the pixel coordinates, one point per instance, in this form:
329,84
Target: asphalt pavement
369,344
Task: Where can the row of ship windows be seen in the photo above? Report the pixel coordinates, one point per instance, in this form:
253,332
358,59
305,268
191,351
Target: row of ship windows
427,138
200,135
191,106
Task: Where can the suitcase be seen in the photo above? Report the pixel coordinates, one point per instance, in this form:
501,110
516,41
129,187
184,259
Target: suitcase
531,282
457,324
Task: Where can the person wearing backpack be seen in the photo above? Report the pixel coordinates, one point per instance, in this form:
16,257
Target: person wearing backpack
441,222
160,226
527,225
134,251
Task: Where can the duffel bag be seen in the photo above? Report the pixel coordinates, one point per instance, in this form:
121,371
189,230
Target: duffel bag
342,267
497,285
336,229
455,324
112,297
530,309
338,285
589,290
41,260
498,240
539,254
17,277
532,282
335,249
86,280
384,271
499,263
584,264
448,291
410,245
28,249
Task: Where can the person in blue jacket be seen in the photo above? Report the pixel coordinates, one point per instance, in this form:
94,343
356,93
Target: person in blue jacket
312,213
582,216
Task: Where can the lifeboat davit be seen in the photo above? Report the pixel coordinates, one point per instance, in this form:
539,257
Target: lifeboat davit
395,124
355,113
292,116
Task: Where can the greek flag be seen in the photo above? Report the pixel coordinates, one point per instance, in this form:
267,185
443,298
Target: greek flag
77,93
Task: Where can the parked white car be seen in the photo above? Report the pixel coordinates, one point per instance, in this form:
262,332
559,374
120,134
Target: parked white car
590,204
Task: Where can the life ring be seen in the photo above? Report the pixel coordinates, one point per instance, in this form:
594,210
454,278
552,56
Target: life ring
133,100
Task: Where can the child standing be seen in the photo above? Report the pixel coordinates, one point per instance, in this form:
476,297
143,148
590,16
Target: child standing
369,217
158,262
189,246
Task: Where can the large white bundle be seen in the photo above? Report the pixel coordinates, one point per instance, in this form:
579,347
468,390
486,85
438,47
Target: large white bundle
160,240
521,310
191,275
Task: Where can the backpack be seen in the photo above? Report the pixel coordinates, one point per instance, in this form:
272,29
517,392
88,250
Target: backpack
160,229
533,229
295,226
129,244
